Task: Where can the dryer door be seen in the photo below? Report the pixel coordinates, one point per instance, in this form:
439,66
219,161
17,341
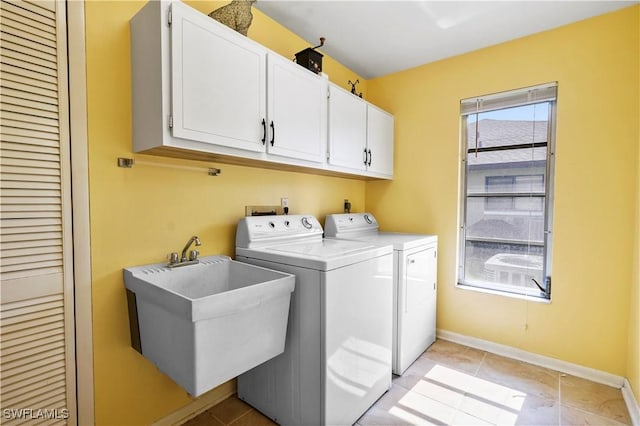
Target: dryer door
417,306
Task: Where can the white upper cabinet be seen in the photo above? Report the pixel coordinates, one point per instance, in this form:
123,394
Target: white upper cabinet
218,83
297,111
379,141
360,135
347,130
203,91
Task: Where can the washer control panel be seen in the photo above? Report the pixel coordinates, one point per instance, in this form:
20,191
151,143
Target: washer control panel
278,228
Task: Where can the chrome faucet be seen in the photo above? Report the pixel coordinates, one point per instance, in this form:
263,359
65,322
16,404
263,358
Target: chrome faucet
184,260
193,239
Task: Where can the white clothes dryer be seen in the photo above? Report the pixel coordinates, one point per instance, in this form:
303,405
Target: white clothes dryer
414,281
337,357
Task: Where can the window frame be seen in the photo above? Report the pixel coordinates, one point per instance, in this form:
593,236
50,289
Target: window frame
546,93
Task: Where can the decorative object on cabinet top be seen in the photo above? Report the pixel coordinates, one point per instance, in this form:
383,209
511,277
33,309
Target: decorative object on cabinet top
235,15
353,87
310,59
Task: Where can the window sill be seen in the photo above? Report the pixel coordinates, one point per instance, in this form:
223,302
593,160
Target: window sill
504,294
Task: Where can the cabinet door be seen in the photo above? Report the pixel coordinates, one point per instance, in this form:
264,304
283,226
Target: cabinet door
380,141
347,129
218,82
297,110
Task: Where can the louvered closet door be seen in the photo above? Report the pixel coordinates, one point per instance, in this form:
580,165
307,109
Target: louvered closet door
36,288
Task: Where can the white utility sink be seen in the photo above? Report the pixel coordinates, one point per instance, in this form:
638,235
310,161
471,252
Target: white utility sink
207,323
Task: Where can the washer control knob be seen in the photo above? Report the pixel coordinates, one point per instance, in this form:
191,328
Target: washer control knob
306,223
368,219
272,225
287,223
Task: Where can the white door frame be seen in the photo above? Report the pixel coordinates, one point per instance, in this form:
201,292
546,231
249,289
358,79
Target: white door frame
80,205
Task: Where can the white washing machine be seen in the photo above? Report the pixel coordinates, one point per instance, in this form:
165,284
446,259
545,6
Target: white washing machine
337,357
414,282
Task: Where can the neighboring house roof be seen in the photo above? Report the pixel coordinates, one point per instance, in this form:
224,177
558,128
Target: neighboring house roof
506,132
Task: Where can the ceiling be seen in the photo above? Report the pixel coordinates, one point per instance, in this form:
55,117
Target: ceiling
375,38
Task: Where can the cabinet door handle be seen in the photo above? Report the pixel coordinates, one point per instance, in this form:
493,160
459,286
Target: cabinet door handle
264,131
369,164
273,133
365,156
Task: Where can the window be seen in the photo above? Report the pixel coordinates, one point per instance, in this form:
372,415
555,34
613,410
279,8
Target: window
507,191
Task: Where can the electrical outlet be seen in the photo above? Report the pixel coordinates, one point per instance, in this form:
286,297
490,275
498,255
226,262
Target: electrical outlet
284,202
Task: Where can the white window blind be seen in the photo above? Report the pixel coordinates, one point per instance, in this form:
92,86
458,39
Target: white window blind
510,99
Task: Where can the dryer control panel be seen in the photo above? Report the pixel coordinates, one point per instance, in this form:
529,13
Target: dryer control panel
255,231
342,225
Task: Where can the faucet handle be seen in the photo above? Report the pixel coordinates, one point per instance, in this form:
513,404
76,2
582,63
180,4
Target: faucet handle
193,255
173,258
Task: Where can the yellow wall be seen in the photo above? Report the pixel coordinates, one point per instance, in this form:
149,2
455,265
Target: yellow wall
633,357
595,63
139,215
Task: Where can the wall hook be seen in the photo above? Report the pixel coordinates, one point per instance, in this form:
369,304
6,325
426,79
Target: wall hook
126,162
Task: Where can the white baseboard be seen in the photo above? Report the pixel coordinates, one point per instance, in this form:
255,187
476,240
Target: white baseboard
540,360
199,405
632,404
551,363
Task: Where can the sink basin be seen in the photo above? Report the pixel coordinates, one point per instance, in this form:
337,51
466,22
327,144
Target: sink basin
207,323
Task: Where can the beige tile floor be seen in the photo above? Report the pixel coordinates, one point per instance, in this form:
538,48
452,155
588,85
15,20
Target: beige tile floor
452,384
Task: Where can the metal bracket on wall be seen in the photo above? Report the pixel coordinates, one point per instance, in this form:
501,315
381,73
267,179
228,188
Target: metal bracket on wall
263,210
128,163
